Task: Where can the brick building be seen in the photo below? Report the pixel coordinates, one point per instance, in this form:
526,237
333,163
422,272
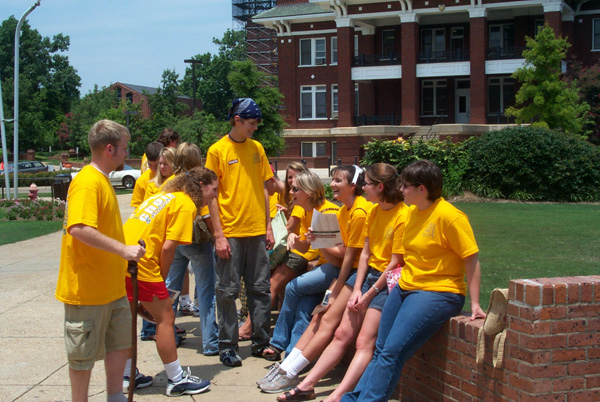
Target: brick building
352,70
139,94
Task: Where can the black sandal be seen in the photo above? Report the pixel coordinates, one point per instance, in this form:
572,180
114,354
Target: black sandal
298,395
275,356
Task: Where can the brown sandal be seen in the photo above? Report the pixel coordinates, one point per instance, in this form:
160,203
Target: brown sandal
298,395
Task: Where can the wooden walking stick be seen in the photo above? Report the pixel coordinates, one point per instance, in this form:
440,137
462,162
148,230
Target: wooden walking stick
132,269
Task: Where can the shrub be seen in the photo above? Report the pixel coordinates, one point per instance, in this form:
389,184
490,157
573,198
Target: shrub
38,210
451,157
533,164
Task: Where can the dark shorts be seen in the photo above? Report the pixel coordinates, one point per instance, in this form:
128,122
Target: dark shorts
372,276
295,262
147,290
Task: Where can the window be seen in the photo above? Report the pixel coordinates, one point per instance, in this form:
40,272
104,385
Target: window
502,38
129,97
433,41
501,94
333,151
433,98
457,42
312,52
334,100
356,99
119,94
596,34
334,50
313,104
388,44
355,45
312,149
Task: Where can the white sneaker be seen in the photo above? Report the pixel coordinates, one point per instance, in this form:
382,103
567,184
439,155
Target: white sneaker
188,385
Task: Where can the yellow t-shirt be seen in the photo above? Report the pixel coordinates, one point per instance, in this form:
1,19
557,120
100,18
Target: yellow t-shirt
297,212
435,242
273,201
385,230
242,170
305,221
144,163
352,224
164,216
152,189
87,275
141,186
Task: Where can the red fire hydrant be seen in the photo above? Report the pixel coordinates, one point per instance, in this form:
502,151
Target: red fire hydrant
33,191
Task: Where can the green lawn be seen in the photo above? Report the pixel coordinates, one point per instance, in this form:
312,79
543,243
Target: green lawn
518,241
14,231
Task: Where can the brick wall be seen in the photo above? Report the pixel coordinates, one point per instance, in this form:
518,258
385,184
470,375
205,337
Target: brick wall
552,350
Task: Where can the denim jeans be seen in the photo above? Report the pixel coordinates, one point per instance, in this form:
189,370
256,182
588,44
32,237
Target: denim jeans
408,320
202,259
302,294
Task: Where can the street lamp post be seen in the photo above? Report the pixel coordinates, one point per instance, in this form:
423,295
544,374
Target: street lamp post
193,62
129,113
16,96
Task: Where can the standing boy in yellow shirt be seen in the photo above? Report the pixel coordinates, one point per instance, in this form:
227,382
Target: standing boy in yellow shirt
91,279
242,229
139,191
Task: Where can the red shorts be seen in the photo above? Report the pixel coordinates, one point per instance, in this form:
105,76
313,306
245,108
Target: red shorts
147,290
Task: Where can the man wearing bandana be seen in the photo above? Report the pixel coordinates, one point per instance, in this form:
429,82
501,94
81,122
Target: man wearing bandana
242,229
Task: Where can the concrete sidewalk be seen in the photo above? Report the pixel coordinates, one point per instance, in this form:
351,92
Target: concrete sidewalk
32,355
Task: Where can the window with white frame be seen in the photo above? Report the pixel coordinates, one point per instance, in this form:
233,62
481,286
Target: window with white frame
433,41
334,100
313,103
334,59
501,94
312,52
313,149
596,34
433,98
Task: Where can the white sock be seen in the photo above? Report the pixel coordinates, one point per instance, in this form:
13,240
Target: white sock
297,365
127,372
174,371
184,300
290,358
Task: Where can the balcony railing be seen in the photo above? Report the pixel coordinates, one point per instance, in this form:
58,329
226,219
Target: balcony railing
369,60
378,120
444,56
503,53
499,118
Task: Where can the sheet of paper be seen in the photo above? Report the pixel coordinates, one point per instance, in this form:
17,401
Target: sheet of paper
326,230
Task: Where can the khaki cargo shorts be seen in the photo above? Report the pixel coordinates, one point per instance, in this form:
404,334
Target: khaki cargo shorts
93,331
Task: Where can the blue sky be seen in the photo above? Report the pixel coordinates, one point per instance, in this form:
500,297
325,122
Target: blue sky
130,41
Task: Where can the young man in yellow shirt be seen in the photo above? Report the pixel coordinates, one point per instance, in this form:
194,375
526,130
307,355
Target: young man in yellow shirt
91,279
139,191
242,228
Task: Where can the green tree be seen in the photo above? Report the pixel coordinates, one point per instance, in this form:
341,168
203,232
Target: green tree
96,105
48,84
212,85
589,90
202,129
248,82
545,99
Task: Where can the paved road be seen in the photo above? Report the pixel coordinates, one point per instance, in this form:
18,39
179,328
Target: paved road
33,364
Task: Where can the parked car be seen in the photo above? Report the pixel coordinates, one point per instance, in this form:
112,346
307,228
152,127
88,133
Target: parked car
125,177
27,167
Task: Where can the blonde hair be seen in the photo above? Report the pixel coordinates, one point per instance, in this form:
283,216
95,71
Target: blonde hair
105,132
191,183
312,185
187,157
169,154
287,197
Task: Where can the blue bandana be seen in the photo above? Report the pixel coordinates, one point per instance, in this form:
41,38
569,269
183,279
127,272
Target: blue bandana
246,108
